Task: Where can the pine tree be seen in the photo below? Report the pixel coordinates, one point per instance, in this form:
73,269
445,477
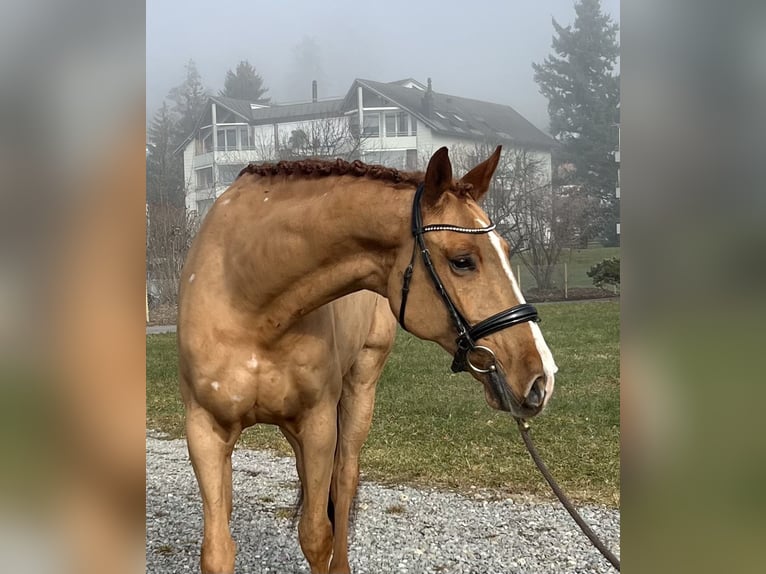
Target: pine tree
164,168
245,84
190,99
583,94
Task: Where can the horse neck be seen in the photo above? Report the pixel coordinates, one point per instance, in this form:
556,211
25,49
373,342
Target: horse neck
323,239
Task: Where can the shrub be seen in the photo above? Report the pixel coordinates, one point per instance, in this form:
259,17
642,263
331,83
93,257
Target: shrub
606,272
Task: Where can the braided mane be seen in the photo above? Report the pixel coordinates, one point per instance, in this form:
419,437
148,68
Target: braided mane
315,168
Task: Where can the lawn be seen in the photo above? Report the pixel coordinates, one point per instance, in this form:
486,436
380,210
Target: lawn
432,427
578,261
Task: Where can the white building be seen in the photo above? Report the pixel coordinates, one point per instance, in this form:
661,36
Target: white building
398,124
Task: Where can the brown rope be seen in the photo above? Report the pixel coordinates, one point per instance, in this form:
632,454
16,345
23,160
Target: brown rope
524,429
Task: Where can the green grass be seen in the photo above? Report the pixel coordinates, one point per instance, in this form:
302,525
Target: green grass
578,261
432,427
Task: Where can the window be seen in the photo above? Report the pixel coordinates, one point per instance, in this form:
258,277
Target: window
228,173
244,137
205,178
204,142
412,159
227,138
353,124
392,158
397,124
402,123
391,125
371,125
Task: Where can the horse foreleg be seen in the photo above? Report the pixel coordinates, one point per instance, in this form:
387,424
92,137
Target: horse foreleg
210,448
355,413
354,418
316,436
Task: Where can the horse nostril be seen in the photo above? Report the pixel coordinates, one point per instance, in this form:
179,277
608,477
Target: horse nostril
536,394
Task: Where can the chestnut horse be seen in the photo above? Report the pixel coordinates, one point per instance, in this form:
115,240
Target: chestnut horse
285,318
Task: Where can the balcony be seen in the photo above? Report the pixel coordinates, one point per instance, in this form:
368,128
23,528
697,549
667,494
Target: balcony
389,143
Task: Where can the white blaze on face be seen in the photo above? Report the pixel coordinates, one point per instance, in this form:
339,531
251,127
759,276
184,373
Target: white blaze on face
496,242
216,385
549,365
252,362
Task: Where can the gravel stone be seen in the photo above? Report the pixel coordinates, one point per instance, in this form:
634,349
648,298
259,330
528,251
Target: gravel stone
397,528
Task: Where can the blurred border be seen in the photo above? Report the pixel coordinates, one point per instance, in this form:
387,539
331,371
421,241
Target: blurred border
72,161
694,458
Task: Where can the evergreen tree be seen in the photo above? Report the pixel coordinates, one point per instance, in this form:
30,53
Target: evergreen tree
583,95
190,99
164,169
245,84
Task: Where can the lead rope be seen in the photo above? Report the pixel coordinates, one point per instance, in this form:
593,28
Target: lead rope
524,429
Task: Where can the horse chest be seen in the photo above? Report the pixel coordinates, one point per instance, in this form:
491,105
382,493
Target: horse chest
251,387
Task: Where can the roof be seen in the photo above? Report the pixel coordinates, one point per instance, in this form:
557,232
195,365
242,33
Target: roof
268,114
297,112
406,81
452,115
239,107
461,117
284,112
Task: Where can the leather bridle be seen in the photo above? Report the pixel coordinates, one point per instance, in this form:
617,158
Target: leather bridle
467,335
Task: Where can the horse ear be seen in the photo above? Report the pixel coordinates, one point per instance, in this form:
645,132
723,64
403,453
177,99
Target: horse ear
438,175
481,175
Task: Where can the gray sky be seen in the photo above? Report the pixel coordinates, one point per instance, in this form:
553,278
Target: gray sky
479,49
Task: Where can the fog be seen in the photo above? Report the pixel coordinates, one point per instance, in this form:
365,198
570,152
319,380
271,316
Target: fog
481,49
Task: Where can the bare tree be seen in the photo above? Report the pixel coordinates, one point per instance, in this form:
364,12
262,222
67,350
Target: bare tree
503,202
525,207
537,243
324,138
571,209
264,146
169,233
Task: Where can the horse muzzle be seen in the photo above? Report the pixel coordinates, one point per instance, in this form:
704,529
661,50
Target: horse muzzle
497,387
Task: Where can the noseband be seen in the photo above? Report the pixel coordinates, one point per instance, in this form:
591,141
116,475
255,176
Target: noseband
467,334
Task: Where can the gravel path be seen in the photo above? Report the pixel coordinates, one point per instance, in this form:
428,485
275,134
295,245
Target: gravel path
397,529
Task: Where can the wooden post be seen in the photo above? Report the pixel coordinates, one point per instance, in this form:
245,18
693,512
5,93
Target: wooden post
566,282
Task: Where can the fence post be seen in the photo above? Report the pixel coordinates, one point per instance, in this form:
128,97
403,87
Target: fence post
566,282
518,276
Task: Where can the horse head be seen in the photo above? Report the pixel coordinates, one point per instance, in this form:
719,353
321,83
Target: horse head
456,288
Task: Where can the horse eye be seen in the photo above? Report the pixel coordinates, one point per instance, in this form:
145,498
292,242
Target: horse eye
464,263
